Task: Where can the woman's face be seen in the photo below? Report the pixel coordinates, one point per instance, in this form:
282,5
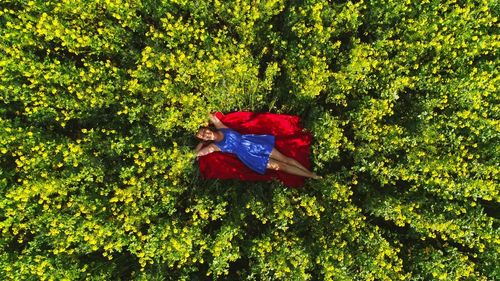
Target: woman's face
205,134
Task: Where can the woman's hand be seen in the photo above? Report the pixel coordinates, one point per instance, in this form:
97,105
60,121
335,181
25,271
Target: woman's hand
213,118
198,147
216,121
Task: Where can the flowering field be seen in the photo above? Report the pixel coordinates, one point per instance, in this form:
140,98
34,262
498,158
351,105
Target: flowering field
100,101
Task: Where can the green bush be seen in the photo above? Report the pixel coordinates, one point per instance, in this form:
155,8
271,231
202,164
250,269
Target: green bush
100,100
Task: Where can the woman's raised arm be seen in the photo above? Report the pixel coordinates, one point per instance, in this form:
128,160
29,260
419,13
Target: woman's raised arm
217,123
198,147
207,150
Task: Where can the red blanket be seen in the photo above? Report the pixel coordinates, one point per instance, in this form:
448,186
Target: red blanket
291,139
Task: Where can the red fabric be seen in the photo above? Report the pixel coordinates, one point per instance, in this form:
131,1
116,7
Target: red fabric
291,139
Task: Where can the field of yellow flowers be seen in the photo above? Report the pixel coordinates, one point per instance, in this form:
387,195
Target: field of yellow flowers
100,101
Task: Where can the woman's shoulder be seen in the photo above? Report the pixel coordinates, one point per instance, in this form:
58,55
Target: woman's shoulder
224,132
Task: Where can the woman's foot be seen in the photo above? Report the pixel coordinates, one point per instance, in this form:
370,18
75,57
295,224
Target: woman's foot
316,177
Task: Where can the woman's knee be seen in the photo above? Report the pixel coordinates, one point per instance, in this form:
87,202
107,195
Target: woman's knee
274,165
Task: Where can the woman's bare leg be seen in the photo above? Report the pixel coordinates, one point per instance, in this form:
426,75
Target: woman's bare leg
288,168
283,158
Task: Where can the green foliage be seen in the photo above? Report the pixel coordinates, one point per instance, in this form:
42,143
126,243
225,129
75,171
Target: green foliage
99,102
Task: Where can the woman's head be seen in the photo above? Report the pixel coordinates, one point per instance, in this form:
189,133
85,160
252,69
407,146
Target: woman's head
205,133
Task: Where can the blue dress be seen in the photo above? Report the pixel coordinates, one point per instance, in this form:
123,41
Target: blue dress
253,150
